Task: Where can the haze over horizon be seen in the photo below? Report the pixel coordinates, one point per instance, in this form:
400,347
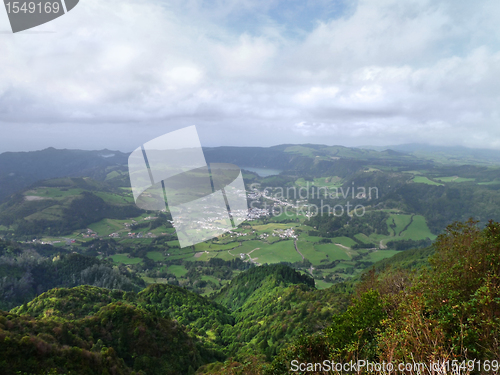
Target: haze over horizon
116,74
405,148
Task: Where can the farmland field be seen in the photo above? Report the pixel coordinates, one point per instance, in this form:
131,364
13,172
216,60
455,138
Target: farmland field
333,251
377,255
52,192
401,222
114,198
268,228
106,226
346,241
331,182
123,258
278,252
310,252
418,230
249,246
454,179
177,270
208,246
425,180
155,255
320,284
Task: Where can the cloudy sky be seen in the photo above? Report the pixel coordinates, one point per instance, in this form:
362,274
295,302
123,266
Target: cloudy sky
116,73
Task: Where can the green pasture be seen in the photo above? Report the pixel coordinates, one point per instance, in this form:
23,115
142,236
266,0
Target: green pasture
112,174
310,252
346,241
290,214
156,255
377,255
204,257
178,270
321,284
333,181
333,251
283,251
306,237
425,180
54,212
123,258
187,257
495,182
414,172
269,228
224,255
454,179
135,241
248,246
53,192
210,278
305,151
149,280
363,238
418,230
401,222
107,226
112,198
209,246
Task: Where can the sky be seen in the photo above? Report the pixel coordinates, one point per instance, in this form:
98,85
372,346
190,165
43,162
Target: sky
114,74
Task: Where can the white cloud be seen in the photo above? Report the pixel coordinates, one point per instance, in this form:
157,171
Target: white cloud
382,72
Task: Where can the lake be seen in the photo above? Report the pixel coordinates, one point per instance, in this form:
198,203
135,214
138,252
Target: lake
263,172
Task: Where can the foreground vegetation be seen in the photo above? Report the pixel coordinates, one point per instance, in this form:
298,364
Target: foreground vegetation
92,285
409,308
448,311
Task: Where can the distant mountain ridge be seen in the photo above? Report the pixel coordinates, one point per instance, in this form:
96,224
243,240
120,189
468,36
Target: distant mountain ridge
455,153
19,170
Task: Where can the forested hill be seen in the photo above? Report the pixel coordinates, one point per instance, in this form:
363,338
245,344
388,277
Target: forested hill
268,316
119,339
161,330
242,287
164,329
168,301
448,309
19,170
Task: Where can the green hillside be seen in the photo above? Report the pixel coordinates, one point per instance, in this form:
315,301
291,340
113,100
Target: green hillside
61,206
267,316
120,339
84,272
242,287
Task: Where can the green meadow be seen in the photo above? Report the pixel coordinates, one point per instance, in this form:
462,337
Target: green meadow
156,256
123,258
454,179
283,251
425,180
177,270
